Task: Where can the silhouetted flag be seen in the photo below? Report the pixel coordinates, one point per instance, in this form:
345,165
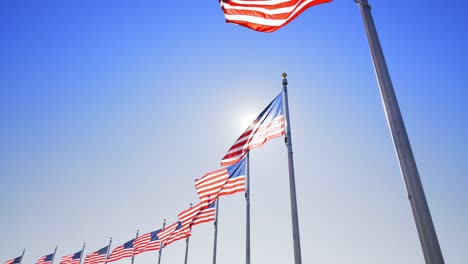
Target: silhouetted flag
45,259
179,233
14,261
228,180
72,258
147,242
96,257
266,15
268,125
123,251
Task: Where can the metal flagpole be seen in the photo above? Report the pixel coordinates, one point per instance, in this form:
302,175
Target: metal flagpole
108,250
187,241
82,252
53,256
133,255
22,255
292,180
215,231
247,211
161,244
421,214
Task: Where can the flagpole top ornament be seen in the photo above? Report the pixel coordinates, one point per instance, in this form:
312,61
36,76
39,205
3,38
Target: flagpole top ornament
284,75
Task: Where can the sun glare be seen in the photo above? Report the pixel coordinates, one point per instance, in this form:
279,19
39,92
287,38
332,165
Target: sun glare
246,121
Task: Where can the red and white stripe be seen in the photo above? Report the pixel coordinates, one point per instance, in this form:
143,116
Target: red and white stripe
182,233
143,243
166,232
187,216
217,183
265,15
95,258
253,137
14,261
119,253
206,215
69,259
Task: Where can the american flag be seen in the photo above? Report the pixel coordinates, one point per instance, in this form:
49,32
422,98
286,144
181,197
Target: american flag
187,216
147,242
14,261
167,231
96,257
205,215
268,125
47,259
122,251
265,15
179,233
225,181
72,258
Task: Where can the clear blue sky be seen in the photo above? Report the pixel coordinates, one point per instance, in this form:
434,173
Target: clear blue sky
110,109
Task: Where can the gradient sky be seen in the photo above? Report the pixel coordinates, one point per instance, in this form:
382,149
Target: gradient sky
110,109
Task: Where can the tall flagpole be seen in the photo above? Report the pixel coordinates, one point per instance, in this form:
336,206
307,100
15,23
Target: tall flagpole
247,211
53,256
22,255
421,214
161,244
187,241
133,255
215,244
292,180
82,252
108,250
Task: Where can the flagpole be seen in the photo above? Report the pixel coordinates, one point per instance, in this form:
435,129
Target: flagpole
133,255
247,211
417,199
82,252
187,241
292,180
22,255
108,250
161,244
53,256
215,231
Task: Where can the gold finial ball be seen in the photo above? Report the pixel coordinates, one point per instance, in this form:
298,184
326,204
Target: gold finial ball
284,75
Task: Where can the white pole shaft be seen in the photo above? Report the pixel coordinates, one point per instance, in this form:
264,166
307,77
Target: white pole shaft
292,180
133,255
215,243
161,244
417,199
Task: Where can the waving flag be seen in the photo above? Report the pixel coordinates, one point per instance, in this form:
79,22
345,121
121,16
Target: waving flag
187,216
179,233
122,251
14,261
225,181
72,259
205,215
46,259
167,231
147,242
268,125
265,15
97,257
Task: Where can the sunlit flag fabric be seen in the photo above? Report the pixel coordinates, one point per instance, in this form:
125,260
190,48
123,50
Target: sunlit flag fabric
179,233
268,125
147,242
14,261
47,259
167,231
96,257
122,251
195,215
228,180
72,258
205,215
265,15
